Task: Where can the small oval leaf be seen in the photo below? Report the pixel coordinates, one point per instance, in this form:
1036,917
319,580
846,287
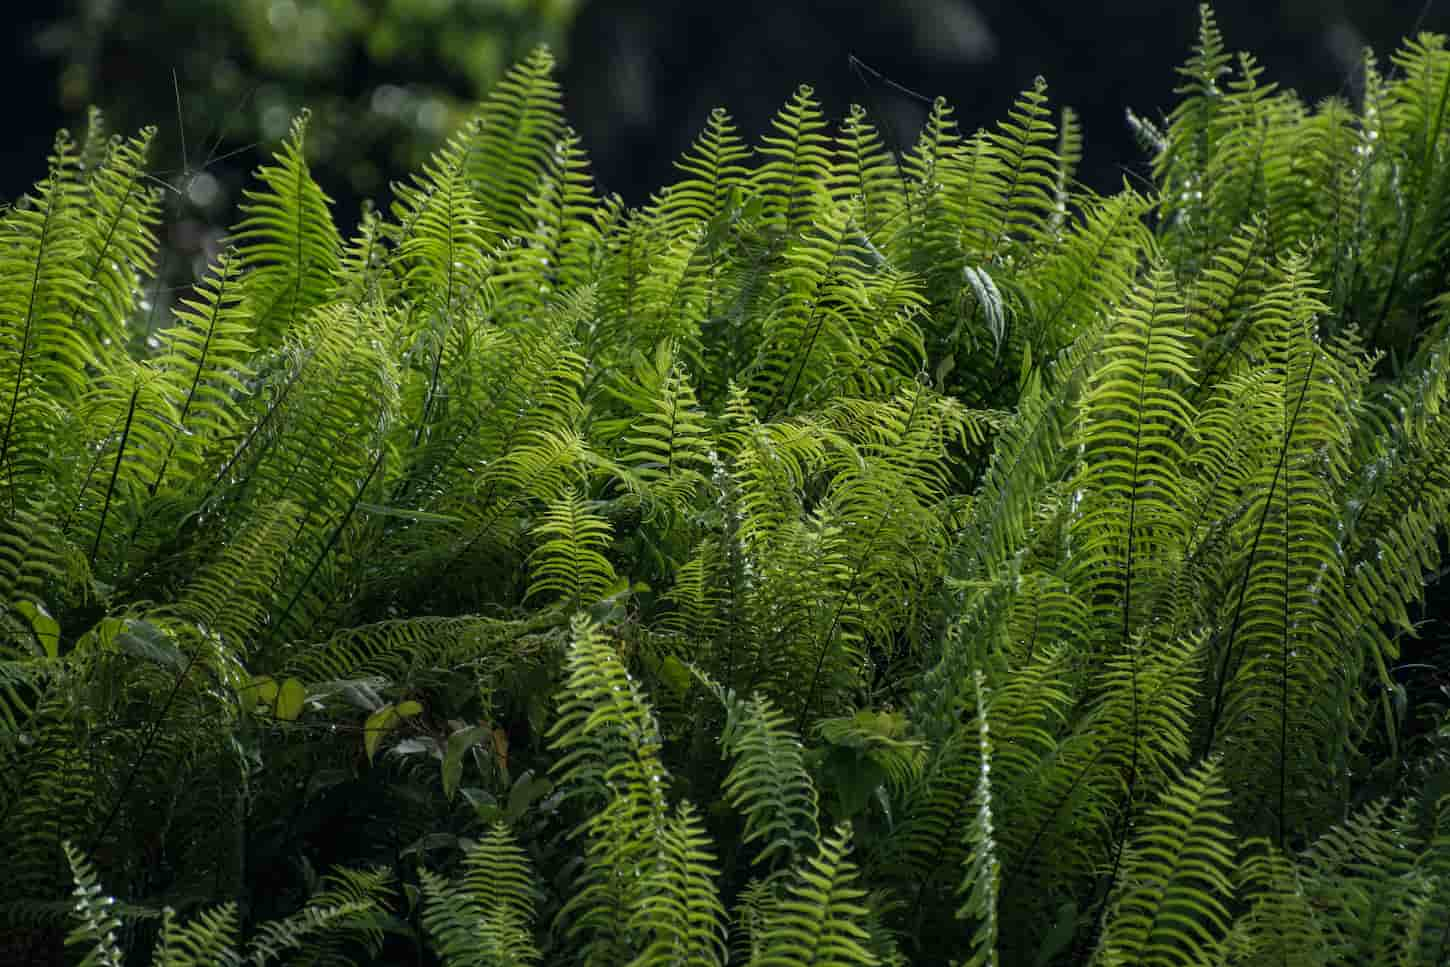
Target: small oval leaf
379,724
290,698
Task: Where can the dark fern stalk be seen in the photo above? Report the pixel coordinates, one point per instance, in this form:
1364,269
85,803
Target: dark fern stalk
1224,672
115,471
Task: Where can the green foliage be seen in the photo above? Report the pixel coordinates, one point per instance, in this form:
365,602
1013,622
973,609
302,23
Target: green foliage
829,562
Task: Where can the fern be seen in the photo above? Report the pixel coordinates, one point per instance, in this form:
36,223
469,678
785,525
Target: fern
816,922
1176,879
1058,562
486,918
288,240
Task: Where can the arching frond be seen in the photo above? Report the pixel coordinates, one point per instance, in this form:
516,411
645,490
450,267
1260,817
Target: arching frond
287,241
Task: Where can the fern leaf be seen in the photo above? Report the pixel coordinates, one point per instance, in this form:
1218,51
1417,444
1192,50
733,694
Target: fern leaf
767,780
287,241
682,908
510,151
98,923
791,182
713,171
486,918
1172,908
570,563
818,920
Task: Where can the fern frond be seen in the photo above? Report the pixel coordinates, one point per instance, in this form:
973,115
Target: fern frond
768,781
682,910
818,920
1281,924
206,362
791,182
208,938
1176,879
43,358
98,922
713,171
510,152
120,244
486,918
570,563
864,174
287,241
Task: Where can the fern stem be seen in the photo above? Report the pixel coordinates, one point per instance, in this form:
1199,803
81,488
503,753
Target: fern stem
1284,673
146,745
216,311
1216,709
115,471
331,543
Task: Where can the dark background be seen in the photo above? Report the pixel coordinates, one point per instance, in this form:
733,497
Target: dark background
640,76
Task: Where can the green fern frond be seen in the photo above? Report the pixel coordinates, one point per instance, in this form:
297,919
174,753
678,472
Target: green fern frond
209,937
564,213
1281,924
233,594
206,361
287,241
1172,908
818,315
767,781
570,563
1134,413
1085,276
791,181
603,718
865,175
120,244
135,405
667,443
98,922
1021,202
818,920
713,172
511,150
486,918
682,909
43,358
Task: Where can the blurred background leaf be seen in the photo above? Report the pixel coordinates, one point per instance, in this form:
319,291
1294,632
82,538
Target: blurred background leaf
387,79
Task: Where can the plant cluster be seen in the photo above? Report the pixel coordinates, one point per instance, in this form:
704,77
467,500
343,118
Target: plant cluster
849,557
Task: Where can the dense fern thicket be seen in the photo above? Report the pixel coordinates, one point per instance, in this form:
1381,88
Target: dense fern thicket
850,557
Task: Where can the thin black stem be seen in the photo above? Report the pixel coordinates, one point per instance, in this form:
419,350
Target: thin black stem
115,472
1216,709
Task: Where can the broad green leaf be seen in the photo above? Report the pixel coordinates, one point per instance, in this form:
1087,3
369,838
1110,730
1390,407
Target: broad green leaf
379,724
290,699
265,688
142,639
46,628
525,792
458,743
383,721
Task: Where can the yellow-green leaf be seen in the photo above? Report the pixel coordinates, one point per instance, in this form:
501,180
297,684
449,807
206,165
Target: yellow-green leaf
379,724
290,699
46,628
265,689
675,675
